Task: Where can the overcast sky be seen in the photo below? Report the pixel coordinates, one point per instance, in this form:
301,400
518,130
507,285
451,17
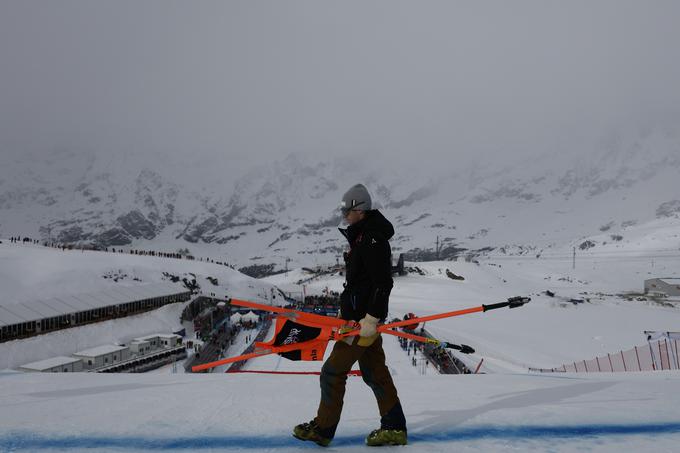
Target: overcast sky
247,80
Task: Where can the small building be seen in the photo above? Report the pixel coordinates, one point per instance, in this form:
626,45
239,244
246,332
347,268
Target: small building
153,340
668,286
169,340
140,347
159,341
54,365
103,356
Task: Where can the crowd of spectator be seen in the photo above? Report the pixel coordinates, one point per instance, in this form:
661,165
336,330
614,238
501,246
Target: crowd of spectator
435,355
216,342
330,298
177,255
265,324
25,240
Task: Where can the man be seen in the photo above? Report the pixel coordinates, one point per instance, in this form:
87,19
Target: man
365,300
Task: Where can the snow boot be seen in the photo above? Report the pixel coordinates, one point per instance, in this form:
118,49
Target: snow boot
311,431
380,437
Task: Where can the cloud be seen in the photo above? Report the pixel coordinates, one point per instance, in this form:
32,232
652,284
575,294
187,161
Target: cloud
243,82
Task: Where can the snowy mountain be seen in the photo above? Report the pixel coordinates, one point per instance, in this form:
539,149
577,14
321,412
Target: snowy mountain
287,210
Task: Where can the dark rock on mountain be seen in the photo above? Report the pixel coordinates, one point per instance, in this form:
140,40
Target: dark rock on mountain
72,234
668,209
136,225
585,245
113,236
453,276
260,270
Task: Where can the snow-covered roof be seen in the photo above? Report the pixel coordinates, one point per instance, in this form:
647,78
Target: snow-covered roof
100,350
50,363
250,316
236,317
148,337
34,310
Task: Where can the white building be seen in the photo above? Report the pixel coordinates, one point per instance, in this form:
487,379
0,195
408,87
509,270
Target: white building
103,356
140,347
55,365
153,340
169,340
160,341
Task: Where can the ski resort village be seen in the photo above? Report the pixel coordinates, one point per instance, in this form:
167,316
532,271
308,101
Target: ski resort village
376,225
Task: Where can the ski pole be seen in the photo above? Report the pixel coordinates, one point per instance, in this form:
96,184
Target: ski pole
512,302
463,348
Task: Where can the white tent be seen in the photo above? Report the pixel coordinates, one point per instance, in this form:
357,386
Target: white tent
250,316
235,318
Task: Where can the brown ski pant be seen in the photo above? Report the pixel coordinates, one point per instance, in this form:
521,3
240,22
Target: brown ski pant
375,374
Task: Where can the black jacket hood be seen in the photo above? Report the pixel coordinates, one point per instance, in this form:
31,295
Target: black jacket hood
374,223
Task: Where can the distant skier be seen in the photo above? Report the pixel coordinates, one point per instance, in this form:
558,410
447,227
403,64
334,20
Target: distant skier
365,300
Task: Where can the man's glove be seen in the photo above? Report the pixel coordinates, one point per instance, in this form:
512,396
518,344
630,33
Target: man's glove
369,326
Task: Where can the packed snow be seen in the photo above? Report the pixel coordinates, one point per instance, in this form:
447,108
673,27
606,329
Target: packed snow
504,408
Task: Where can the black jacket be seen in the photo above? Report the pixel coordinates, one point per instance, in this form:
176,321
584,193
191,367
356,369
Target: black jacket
368,268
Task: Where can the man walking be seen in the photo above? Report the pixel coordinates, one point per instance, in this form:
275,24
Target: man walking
365,300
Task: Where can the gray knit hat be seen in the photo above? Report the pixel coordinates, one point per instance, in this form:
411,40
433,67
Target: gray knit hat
356,198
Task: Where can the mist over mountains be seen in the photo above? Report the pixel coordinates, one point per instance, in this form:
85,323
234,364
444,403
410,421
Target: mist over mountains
287,209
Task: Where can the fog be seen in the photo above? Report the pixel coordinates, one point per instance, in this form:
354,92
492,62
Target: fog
243,82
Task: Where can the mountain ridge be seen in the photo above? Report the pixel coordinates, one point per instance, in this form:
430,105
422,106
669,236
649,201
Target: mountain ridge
288,208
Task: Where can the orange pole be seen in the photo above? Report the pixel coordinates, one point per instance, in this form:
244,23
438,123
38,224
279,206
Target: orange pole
265,351
449,314
337,322
479,365
410,336
206,366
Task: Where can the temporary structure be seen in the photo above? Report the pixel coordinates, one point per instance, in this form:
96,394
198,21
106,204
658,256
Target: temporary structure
235,318
250,316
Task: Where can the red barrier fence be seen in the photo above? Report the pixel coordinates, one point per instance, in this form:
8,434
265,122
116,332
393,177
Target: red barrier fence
655,355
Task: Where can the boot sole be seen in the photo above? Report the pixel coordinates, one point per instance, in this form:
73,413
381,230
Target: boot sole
311,440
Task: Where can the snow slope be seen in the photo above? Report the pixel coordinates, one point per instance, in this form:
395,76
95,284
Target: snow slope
30,272
34,271
222,412
505,409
